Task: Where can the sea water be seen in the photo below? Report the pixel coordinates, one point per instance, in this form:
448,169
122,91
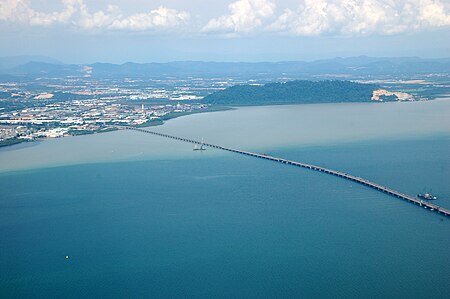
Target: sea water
126,214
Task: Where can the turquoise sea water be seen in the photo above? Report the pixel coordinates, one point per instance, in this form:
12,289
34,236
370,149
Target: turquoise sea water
152,218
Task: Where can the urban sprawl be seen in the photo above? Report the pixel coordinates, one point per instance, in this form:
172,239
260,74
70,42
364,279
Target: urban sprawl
65,107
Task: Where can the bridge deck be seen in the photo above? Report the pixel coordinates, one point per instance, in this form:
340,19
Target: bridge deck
411,199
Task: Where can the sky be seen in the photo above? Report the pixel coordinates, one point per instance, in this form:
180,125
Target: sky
117,31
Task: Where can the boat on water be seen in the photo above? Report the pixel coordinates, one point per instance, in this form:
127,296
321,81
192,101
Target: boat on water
427,196
201,148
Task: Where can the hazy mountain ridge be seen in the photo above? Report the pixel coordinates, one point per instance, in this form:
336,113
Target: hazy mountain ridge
11,62
353,66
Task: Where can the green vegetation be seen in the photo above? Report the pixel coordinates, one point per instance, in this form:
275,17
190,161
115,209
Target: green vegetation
293,92
11,141
209,109
158,122
87,132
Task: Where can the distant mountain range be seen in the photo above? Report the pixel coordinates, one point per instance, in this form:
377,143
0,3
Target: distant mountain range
12,62
348,67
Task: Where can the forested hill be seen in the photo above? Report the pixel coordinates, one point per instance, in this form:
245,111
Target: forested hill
293,92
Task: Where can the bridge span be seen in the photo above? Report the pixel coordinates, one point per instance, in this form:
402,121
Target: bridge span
408,198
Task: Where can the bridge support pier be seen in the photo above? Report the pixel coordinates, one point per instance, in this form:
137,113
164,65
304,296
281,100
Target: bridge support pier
362,181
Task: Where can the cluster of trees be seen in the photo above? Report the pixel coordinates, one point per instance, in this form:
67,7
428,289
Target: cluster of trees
10,141
293,92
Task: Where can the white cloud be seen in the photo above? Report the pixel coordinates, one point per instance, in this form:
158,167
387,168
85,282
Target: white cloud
245,16
157,18
362,17
20,11
76,13
97,20
310,18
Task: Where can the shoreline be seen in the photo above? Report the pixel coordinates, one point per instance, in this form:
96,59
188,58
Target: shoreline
251,129
155,123
15,141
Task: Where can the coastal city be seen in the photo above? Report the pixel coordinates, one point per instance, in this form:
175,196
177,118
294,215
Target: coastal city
83,117
35,108
52,108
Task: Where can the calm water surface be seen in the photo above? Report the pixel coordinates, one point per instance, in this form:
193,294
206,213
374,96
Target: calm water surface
252,128
141,216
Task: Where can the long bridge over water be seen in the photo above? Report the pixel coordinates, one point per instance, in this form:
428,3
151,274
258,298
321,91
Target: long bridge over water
408,198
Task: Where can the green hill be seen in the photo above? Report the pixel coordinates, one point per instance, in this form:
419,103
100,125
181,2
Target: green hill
293,92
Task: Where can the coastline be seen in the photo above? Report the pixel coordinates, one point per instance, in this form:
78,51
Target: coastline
260,129
219,108
153,123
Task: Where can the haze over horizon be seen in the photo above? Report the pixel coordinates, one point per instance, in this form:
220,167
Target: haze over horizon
17,60
118,31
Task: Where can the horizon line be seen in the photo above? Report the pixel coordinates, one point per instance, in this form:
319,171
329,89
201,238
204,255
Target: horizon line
59,61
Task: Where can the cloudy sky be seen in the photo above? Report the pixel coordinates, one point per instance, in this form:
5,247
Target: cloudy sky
80,31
